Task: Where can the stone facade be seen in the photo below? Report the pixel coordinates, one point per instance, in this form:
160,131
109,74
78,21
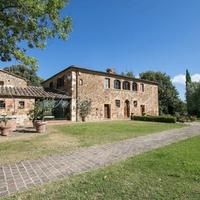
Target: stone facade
17,98
18,108
15,107
92,88
83,84
10,80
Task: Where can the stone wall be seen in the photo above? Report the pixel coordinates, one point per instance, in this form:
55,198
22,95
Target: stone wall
12,108
67,87
67,82
91,86
85,85
11,81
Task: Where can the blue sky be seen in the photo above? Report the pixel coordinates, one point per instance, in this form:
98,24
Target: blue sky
136,35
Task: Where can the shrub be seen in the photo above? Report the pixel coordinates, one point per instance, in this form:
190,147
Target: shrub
84,108
186,118
166,119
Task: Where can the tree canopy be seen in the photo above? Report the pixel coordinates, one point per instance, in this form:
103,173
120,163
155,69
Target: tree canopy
169,102
128,73
192,95
29,73
28,24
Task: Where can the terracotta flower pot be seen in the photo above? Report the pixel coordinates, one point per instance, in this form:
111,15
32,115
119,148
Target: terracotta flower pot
40,126
5,131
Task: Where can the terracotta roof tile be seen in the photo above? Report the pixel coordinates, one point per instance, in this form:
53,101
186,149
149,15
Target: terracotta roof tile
31,91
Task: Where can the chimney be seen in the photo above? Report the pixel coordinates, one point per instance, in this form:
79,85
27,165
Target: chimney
110,71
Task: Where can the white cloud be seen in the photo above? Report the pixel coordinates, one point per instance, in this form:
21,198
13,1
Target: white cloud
196,77
137,76
180,79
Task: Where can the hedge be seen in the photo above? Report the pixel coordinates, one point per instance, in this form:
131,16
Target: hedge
166,119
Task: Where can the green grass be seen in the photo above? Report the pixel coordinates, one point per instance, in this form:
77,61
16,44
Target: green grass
64,138
104,132
172,172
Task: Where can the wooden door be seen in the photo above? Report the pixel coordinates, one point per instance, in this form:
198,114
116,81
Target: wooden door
142,108
127,109
107,113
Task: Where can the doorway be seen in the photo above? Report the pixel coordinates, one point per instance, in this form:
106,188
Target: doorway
107,111
142,108
127,109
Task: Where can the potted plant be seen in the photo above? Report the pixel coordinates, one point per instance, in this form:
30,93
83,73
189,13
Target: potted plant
37,114
84,109
5,130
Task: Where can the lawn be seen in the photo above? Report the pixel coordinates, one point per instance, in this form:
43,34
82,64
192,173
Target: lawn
105,132
64,138
172,172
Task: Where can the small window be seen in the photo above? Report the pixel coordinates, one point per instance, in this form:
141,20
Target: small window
135,103
60,82
135,87
107,83
2,104
21,105
81,82
1,83
142,87
117,103
51,84
117,84
126,85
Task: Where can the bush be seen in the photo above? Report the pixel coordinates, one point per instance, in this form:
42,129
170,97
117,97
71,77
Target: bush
186,118
166,119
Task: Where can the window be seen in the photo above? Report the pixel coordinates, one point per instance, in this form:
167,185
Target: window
117,84
51,84
80,82
21,105
135,87
2,104
60,82
142,87
117,103
1,83
107,83
126,85
135,103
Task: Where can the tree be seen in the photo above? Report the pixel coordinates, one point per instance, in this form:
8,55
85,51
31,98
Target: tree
29,73
84,108
189,86
188,77
28,24
169,102
195,100
128,73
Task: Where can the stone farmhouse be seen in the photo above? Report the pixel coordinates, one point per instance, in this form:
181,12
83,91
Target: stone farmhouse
112,96
17,98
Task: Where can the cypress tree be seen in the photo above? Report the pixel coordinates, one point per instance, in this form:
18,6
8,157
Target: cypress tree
188,91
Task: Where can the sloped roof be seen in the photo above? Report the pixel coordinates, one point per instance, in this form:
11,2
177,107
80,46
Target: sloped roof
31,91
12,74
90,71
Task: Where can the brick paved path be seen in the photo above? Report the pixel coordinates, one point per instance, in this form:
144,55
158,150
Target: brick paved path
23,175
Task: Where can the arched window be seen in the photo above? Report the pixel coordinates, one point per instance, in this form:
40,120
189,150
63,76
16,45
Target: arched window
126,85
142,87
117,84
135,86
